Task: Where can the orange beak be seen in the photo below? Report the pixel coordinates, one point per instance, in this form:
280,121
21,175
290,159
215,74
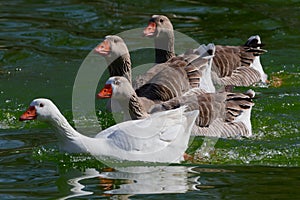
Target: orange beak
106,92
150,29
29,114
103,48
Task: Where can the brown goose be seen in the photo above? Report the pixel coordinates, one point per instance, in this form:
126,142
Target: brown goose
117,56
220,114
232,65
119,89
185,71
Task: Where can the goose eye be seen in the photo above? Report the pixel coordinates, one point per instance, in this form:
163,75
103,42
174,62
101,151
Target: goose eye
41,105
161,20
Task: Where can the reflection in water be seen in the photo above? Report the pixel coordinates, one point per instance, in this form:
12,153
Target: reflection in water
136,180
166,179
77,187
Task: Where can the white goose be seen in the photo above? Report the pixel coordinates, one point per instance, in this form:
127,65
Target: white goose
162,137
222,114
232,65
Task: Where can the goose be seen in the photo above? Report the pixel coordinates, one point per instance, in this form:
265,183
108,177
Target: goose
190,70
221,114
232,65
162,137
156,84
117,56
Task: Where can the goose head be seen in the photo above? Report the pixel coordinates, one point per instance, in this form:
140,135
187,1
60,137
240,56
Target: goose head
124,98
112,48
158,26
40,109
161,29
117,87
254,41
117,56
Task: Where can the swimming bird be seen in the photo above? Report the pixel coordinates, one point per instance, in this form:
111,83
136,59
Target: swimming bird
221,114
161,137
162,81
232,65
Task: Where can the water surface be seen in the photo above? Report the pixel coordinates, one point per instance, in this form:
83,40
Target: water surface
42,46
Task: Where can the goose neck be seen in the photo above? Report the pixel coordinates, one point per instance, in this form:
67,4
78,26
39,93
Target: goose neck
136,108
120,67
164,47
62,127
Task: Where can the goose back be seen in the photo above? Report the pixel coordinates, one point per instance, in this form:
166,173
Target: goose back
242,76
239,65
229,58
180,73
225,130
171,81
210,105
221,114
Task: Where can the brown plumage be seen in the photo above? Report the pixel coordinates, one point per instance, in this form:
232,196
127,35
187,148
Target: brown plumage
225,130
224,105
232,65
161,29
163,81
137,107
242,76
117,56
220,114
171,81
189,69
124,68
227,61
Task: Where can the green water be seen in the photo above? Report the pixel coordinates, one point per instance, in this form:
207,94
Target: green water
42,46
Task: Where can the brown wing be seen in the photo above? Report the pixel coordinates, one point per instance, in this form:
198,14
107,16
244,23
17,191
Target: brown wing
146,77
171,81
220,129
210,105
236,103
242,76
226,59
231,65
